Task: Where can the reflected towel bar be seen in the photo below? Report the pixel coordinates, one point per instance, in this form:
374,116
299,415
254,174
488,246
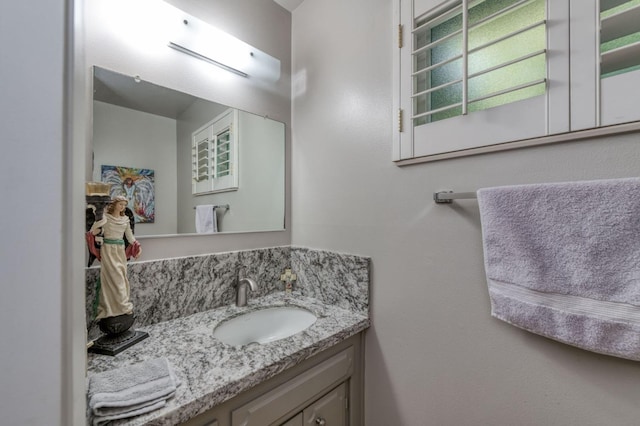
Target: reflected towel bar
221,206
447,197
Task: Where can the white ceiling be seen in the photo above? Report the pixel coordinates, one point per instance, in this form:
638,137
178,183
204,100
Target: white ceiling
289,4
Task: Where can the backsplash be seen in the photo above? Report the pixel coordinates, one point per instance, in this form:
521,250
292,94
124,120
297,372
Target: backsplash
335,278
162,290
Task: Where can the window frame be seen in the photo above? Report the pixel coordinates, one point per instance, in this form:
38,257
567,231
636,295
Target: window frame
577,103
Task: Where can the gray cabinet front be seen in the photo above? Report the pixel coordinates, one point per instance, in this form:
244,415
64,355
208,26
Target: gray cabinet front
330,410
296,421
297,392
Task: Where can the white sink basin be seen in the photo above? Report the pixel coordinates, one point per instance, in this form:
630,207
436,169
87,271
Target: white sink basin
264,325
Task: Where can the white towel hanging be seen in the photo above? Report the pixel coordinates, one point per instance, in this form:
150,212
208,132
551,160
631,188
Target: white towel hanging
206,219
562,260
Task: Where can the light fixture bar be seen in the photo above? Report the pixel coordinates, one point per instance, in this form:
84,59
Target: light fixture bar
206,59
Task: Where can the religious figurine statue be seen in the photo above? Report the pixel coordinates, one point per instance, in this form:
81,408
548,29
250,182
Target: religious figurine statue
111,241
114,285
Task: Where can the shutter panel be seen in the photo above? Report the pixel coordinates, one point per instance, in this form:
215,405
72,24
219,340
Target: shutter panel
619,61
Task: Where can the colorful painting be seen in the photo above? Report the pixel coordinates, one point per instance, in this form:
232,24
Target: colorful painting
138,185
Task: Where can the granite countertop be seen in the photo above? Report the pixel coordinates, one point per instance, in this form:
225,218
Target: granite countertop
212,372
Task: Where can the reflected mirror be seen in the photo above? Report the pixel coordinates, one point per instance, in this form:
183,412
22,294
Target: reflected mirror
170,152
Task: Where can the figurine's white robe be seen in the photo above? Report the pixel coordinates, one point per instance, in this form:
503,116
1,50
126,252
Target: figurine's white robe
114,285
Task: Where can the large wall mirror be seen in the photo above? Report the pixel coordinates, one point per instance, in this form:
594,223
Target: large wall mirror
150,140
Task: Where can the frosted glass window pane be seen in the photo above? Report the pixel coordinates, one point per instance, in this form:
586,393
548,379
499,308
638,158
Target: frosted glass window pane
508,98
519,17
454,112
446,96
510,49
501,79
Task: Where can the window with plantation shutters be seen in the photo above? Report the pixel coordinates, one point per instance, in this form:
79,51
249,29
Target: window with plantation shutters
477,73
214,155
484,75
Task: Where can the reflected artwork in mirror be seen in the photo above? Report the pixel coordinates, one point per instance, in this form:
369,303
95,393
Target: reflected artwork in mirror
201,153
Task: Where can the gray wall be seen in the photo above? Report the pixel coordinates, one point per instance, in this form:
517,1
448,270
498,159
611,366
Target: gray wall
41,359
260,23
434,356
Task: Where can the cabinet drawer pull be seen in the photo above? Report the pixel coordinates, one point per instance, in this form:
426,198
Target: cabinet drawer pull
320,421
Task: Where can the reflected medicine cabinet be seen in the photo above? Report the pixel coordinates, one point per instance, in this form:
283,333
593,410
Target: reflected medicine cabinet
214,155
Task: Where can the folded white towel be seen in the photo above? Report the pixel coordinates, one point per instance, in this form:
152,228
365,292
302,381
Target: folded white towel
206,219
563,260
130,391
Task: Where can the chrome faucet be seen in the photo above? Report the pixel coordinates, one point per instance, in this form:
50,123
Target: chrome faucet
241,290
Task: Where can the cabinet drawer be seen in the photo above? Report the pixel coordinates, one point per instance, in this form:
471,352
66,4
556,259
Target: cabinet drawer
278,402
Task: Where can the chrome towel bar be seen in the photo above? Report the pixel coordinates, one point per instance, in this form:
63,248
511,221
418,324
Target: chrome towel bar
221,206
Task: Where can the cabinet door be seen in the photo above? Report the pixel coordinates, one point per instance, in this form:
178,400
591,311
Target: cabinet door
277,403
330,410
296,421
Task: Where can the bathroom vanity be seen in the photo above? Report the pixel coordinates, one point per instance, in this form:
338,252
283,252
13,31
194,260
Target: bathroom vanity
325,389
312,376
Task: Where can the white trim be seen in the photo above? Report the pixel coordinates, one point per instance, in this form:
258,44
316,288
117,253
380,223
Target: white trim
76,135
526,143
583,63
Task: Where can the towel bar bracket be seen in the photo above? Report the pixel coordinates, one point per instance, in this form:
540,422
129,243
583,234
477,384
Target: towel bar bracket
447,197
439,197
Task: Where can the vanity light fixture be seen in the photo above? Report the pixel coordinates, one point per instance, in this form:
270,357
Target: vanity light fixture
198,39
206,59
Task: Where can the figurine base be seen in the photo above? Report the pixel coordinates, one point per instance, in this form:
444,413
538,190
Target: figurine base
113,345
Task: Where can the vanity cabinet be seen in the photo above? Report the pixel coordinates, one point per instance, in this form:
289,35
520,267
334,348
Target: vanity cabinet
324,390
